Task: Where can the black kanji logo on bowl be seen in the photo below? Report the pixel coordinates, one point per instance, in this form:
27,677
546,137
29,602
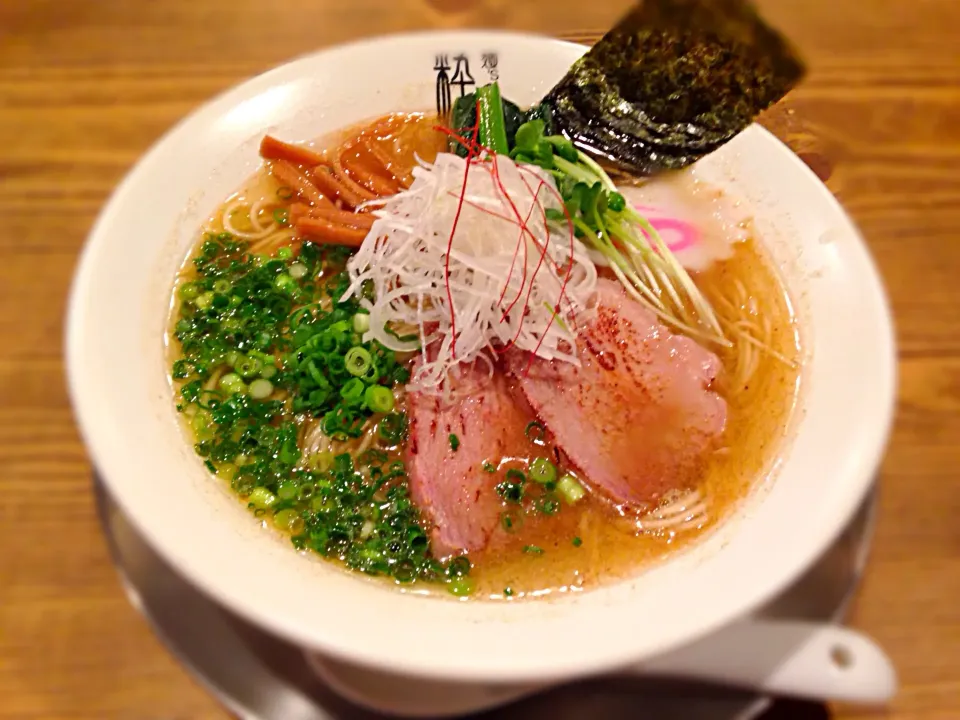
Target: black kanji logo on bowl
457,75
490,61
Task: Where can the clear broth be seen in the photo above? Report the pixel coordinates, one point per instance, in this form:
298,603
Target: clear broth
595,541
609,545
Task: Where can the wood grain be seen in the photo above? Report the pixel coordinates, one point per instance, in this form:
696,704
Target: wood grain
87,85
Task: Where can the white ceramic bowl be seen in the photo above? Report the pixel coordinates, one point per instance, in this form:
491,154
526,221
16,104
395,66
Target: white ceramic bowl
117,376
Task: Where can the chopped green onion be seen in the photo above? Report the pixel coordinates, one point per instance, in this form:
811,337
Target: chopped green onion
352,390
516,475
289,452
279,320
188,291
454,442
321,504
577,542
203,301
412,337
460,586
284,282
248,367
263,357
379,399
542,471
260,389
321,461
508,521
288,490
459,566
571,489
535,430
285,519
262,498
201,424
533,550
361,323
284,193
548,506
508,592
358,361
232,383
281,216
511,492
393,427
489,467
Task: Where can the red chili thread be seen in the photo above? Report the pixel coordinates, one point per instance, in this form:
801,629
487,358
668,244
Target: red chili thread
453,231
556,307
565,272
542,248
473,150
535,194
472,147
536,270
566,277
516,251
483,209
523,229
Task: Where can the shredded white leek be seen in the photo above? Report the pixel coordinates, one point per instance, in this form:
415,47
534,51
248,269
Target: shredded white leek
503,283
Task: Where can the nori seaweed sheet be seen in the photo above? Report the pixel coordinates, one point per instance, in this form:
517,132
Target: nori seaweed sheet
673,81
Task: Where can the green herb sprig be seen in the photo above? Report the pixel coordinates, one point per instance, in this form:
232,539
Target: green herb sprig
603,219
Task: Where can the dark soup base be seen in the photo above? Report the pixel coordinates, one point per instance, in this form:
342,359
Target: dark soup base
254,322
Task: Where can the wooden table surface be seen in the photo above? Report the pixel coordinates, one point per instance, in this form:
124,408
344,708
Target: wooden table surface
87,85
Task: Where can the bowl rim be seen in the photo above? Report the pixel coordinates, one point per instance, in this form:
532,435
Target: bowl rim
97,440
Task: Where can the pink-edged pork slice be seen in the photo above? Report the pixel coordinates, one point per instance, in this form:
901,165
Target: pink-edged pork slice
639,415
448,445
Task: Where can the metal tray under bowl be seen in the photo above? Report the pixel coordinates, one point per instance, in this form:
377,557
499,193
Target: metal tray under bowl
260,677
